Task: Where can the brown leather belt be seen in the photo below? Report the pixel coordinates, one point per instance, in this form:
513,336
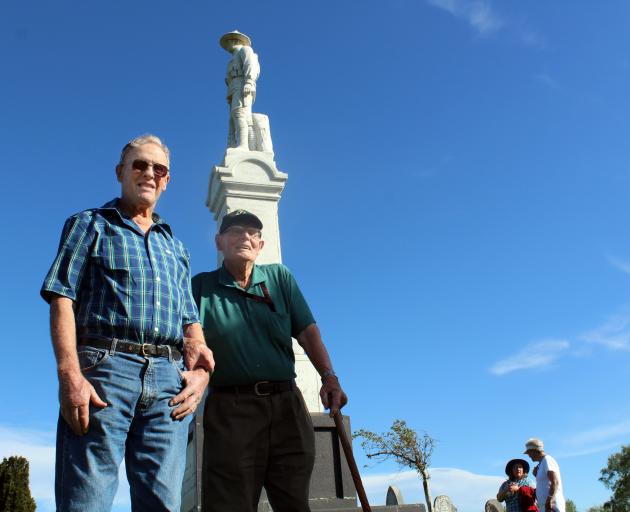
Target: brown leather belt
263,388
143,349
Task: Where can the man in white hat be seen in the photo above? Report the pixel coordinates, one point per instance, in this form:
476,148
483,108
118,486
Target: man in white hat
242,72
548,481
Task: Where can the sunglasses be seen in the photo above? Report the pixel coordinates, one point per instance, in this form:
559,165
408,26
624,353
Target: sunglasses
159,170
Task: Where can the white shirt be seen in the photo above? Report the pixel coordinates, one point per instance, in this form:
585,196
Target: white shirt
548,463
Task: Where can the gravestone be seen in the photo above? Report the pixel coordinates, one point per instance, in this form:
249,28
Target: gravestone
494,506
443,503
394,496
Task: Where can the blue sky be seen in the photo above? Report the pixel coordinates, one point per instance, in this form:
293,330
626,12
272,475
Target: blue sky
456,211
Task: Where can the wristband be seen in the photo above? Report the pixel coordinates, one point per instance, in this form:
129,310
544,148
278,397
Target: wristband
328,373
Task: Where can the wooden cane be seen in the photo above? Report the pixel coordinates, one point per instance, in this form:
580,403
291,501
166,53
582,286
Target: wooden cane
354,471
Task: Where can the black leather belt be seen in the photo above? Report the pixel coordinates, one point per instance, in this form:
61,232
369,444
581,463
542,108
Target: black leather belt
263,388
144,349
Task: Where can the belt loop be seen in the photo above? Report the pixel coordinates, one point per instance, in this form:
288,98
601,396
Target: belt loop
170,354
112,347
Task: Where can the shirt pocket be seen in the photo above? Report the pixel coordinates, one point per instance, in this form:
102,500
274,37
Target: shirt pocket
117,255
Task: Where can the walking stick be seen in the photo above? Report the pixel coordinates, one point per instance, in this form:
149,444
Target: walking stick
347,449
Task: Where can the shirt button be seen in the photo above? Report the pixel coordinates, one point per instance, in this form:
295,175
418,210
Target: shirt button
157,303
155,329
157,279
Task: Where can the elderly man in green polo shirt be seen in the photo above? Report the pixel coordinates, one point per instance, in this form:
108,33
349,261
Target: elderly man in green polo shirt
258,432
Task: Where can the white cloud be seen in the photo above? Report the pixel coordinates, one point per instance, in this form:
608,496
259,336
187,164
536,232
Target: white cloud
468,491
39,448
478,13
623,266
595,440
613,334
535,355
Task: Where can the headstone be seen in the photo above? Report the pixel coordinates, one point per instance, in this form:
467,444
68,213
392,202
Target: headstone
394,496
494,506
443,503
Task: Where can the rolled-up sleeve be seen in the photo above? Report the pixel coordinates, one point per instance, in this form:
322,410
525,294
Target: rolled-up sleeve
66,273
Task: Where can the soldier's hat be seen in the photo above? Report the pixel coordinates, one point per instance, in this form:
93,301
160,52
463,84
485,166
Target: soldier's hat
235,34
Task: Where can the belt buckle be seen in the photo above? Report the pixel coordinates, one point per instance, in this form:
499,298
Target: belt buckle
258,393
143,350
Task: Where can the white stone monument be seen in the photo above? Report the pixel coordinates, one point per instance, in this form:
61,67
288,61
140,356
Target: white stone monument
249,179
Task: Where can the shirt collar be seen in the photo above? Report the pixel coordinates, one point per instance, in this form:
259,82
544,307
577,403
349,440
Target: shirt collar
226,279
157,220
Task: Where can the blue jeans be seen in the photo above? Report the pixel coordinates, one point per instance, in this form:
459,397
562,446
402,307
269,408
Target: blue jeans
136,425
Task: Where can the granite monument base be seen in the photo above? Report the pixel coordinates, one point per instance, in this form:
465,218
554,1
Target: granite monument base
332,488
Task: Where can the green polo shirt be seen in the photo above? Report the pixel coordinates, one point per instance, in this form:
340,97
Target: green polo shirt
250,342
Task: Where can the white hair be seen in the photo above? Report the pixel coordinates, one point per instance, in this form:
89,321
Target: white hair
139,141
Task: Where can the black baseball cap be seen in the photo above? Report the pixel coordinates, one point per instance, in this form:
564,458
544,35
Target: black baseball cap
240,218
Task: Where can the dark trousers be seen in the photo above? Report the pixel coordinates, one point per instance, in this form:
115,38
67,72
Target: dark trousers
252,441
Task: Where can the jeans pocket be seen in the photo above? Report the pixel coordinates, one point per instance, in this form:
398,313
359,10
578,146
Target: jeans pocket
179,366
90,358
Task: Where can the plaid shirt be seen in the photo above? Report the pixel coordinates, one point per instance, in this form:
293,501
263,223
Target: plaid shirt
126,284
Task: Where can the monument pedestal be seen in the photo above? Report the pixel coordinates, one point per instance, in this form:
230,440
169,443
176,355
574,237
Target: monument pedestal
332,487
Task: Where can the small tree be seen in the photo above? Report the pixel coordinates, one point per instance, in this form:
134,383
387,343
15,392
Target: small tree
15,495
616,476
570,506
402,444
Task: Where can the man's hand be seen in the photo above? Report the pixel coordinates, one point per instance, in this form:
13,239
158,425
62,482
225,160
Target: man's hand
75,391
247,89
195,383
333,397
198,355
548,507
75,395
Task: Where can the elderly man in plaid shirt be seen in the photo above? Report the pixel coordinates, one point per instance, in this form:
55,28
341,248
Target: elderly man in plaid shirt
123,323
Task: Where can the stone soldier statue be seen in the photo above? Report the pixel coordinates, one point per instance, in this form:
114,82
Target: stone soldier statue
242,72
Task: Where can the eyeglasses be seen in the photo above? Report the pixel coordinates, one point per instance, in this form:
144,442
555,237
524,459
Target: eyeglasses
239,231
160,170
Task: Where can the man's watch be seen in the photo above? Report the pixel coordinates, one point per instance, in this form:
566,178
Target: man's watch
328,373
